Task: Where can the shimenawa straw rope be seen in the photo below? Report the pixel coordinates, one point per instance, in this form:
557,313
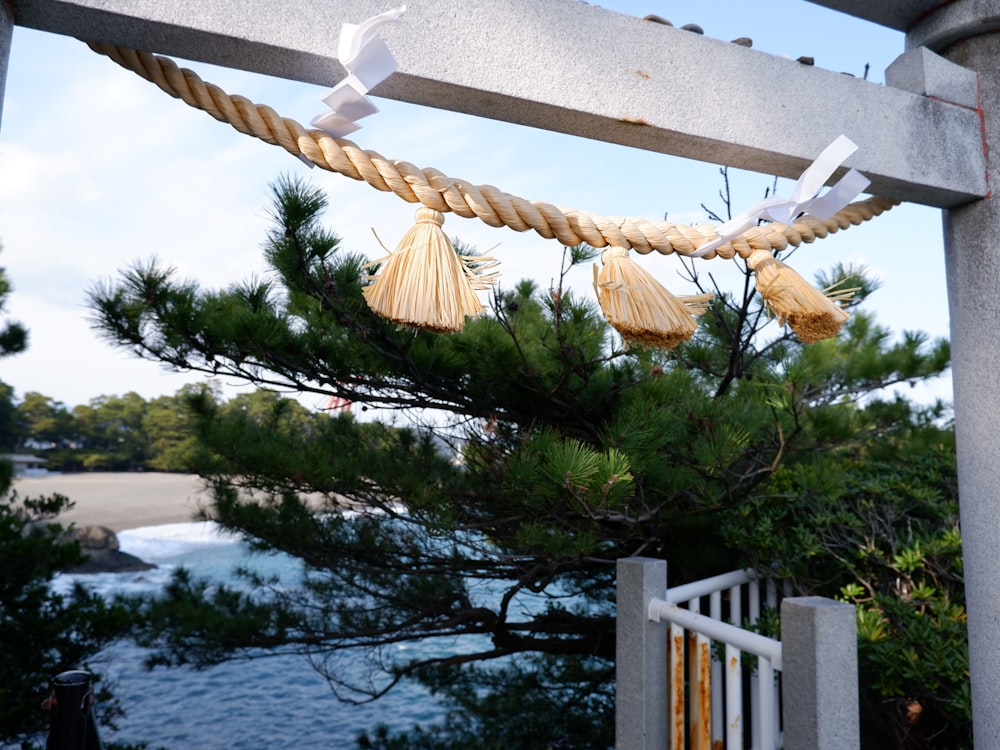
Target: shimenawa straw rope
441,193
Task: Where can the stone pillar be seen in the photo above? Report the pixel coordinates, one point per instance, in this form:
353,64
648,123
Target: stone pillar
972,254
819,674
965,33
641,657
6,34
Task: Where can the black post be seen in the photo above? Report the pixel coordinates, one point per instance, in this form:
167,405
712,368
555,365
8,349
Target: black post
71,717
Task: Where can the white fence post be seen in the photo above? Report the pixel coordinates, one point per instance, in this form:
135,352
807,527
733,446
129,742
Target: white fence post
641,657
819,674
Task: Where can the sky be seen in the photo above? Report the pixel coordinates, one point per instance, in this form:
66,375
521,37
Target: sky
99,169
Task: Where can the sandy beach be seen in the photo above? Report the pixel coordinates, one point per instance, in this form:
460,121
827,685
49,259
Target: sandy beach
120,500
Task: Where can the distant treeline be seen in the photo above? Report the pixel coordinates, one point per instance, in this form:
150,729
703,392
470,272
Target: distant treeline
118,433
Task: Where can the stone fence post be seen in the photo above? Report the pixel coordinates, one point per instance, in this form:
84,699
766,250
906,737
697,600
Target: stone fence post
819,678
641,657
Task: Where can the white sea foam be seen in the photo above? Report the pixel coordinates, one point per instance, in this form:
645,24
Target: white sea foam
167,541
203,547
195,531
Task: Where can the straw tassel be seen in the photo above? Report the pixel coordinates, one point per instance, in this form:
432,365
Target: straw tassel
641,309
424,283
810,313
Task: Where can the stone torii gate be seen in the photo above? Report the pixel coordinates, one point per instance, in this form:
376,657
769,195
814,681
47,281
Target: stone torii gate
931,136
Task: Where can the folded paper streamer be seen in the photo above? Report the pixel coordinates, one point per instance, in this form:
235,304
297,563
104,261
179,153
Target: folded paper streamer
425,283
804,198
368,62
641,309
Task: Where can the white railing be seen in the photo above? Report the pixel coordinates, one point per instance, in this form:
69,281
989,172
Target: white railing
672,690
706,705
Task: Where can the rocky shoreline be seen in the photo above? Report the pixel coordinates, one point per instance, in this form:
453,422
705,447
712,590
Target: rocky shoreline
103,554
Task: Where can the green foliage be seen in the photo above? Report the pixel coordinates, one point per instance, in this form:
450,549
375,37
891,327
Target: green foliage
536,451
111,433
13,335
44,633
13,339
876,524
10,434
114,434
169,427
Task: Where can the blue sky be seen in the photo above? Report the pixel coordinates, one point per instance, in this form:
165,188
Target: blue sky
98,169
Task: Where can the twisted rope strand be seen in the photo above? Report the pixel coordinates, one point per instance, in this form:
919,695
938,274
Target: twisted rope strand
494,207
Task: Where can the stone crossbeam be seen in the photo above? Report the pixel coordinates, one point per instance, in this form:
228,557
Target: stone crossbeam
570,67
901,15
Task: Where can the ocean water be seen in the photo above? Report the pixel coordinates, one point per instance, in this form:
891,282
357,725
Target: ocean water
271,702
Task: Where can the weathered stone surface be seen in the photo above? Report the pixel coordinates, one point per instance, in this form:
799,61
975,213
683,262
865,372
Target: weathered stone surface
94,538
638,83
923,72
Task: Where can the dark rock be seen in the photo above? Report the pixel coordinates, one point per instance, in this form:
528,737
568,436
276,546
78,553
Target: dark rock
93,538
693,27
103,554
108,561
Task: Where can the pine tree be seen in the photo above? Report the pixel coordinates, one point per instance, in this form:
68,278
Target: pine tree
13,339
493,528
42,632
13,335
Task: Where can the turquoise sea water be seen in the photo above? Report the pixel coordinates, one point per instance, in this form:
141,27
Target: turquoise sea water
273,702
